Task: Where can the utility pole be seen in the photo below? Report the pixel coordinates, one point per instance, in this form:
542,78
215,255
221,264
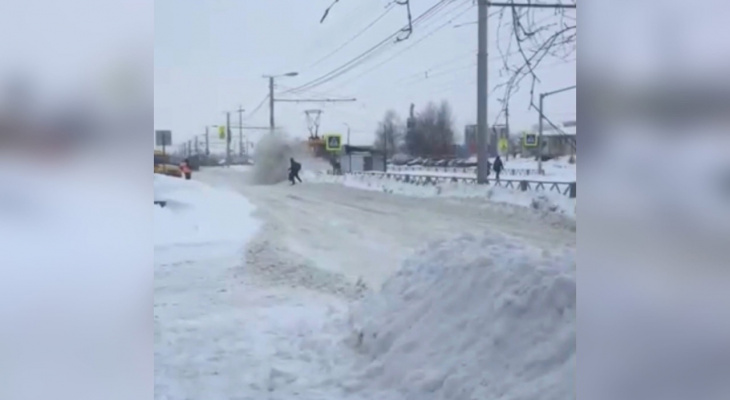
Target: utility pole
483,75
228,139
271,103
506,123
271,96
348,133
385,154
482,93
349,156
240,130
207,142
539,135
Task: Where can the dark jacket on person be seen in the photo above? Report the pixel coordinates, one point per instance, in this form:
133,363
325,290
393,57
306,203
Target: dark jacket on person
294,166
498,166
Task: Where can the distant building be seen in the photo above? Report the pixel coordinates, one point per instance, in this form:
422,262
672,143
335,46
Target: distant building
361,159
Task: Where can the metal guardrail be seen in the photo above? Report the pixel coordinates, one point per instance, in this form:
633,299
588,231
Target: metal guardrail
564,188
506,171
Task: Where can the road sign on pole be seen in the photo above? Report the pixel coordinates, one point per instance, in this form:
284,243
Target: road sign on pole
529,139
333,142
503,145
163,138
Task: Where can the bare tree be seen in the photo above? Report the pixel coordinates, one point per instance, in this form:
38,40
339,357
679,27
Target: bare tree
433,132
537,35
390,133
444,141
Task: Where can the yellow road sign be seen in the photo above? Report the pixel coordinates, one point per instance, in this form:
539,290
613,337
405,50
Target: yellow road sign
503,145
222,132
333,142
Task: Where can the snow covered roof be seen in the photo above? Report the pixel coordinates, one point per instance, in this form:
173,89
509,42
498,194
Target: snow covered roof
566,128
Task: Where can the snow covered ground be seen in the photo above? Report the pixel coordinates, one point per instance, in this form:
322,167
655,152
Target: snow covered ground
300,313
541,202
75,281
198,221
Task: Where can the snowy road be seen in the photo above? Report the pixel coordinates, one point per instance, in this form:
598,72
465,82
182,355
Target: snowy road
373,232
277,323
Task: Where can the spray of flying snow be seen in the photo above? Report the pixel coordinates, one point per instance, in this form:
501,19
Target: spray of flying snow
271,160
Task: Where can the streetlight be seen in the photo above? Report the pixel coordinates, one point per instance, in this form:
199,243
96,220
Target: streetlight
271,94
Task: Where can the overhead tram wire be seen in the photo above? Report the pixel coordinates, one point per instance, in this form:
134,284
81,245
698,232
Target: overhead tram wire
459,57
317,93
388,41
438,28
388,9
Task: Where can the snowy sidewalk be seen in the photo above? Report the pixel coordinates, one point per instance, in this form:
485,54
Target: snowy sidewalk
219,332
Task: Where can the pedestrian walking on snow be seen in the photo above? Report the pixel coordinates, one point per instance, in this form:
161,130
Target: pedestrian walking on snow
498,166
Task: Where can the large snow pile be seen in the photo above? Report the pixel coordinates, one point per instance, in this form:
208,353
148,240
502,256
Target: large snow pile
199,221
473,318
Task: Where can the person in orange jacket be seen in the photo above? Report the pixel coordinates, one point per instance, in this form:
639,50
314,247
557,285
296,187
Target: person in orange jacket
185,168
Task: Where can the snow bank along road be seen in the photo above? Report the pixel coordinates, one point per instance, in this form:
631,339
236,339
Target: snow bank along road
366,235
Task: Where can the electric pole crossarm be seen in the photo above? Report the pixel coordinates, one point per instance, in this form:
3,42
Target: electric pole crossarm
315,100
559,91
529,5
261,128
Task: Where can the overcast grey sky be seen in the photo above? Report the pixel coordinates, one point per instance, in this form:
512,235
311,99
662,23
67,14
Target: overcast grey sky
210,57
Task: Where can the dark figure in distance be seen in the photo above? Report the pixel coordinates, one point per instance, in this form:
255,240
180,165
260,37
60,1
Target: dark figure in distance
294,168
498,166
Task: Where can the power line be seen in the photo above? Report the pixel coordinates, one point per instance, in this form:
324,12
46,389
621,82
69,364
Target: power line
388,9
450,61
459,57
258,107
442,73
408,48
388,41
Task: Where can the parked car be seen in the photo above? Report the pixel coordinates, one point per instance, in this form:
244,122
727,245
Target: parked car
415,161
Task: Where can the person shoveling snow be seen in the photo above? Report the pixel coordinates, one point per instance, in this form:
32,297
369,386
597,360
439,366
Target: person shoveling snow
294,169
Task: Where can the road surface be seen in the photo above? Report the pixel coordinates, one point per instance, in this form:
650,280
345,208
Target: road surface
363,235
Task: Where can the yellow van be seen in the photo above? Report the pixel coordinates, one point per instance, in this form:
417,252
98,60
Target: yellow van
165,167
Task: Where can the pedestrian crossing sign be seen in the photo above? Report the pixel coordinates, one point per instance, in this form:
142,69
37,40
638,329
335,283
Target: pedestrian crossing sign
222,132
529,139
503,145
333,142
